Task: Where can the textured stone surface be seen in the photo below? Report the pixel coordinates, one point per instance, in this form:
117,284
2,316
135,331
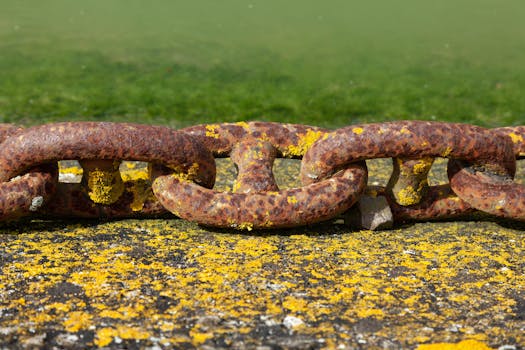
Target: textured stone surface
168,283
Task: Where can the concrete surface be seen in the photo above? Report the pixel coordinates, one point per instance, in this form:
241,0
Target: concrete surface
167,283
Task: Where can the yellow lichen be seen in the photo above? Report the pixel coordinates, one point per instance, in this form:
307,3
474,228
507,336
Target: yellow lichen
423,165
134,174
305,141
236,186
248,226
468,344
59,307
105,186
295,304
77,320
75,170
186,175
515,137
365,312
141,191
244,125
407,196
446,152
405,131
212,131
291,199
199,338
357,130
106,335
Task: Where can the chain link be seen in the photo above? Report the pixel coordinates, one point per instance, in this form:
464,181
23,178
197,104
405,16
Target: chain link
482,164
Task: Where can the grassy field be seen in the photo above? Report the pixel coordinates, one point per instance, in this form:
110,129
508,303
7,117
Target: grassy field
325,63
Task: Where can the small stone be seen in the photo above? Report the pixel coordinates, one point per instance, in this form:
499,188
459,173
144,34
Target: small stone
454,328
8,330
269,321
36,341
370,213
69,178
66,340
206,322
154,347
36,203
292,322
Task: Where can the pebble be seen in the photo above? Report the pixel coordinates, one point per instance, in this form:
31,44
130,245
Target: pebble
292,322
66,339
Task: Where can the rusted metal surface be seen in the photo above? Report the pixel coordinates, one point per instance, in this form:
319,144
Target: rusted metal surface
333,174
493,152
254,160
409,139
106,141
257,201
517,135
439,203
72,201
290,140
491,193
409,181
287,208
8,130
25,194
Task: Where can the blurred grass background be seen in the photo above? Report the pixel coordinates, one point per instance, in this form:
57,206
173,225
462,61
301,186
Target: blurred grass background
328,63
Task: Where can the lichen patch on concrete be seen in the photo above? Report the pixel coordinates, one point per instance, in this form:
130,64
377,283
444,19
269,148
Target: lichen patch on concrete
170,283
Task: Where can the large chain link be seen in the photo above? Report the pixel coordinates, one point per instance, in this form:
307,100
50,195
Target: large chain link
482,163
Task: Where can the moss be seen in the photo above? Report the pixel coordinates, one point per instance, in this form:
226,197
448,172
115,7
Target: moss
304,142
515,137
357,130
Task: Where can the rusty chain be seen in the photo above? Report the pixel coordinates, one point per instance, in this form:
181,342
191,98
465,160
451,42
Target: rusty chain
481,167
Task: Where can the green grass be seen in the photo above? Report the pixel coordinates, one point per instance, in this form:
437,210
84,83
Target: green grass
328,63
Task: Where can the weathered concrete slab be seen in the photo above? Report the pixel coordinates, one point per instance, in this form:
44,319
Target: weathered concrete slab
169,283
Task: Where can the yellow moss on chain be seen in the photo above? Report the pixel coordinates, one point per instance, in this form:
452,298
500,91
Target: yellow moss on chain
105,187
405,131
291,199
236,186
212,131
407,196
134,174
248,226
141,191
357,130
423,165
187,175
305,141
515,137
244,125
446,152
